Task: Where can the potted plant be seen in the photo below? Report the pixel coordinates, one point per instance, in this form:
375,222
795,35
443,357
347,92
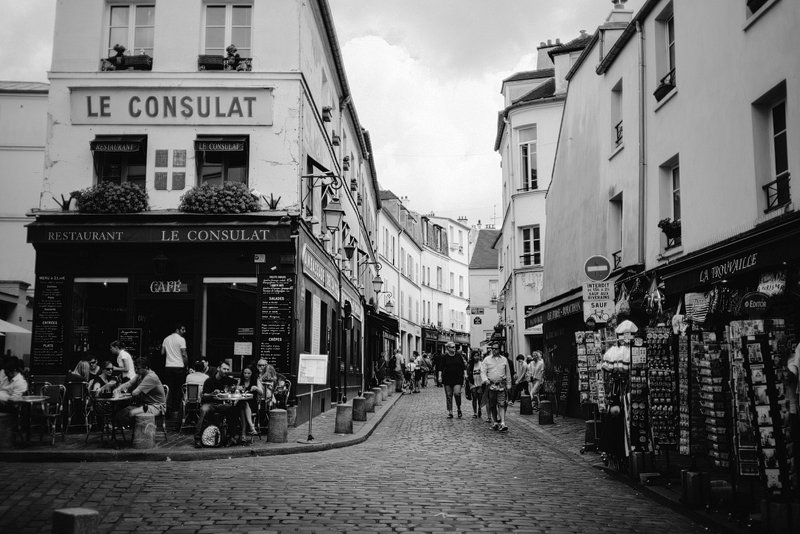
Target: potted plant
140,61
665,85
671,229
231,197
108,197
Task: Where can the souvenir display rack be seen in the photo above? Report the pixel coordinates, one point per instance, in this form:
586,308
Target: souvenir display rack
662,388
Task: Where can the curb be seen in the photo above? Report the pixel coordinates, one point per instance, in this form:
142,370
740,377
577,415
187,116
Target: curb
11,456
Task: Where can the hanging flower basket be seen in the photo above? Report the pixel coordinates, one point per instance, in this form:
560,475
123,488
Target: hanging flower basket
232,197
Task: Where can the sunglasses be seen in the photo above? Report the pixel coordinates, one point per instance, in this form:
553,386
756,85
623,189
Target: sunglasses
93,362
262,365
109,369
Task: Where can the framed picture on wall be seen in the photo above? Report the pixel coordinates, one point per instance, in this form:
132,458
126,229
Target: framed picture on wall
767,436
764,415
754,353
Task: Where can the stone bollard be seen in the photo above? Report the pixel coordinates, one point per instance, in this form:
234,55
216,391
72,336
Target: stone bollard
525,405
592,432
344,419
693,487
545,412
359,409
398,386
278,426
390,387
378,397
370,396
636,463
75,521
7,421
144,431
384,392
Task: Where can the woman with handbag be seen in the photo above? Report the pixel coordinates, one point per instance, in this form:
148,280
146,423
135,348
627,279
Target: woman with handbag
453,371
474,383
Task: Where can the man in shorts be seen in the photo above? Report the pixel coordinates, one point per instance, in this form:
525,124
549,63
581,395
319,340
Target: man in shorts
496,374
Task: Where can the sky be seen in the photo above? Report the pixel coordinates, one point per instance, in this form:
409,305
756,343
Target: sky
425,77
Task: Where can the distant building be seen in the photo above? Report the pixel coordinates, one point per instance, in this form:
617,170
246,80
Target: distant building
23,125
483,286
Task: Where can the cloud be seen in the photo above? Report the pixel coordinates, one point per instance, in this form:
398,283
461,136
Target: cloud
26,42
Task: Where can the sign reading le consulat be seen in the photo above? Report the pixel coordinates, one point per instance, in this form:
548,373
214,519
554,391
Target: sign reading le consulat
171,106
156,234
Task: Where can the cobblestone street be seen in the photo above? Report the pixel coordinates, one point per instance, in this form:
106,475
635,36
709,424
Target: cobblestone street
418,472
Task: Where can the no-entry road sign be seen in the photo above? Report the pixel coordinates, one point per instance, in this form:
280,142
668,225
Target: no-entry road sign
597,268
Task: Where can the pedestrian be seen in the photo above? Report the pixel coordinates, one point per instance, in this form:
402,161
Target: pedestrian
124,361
408,377
496,375
536,371
429,365
475,383
453,374
437,368
173,348
399,369
419,371
520,378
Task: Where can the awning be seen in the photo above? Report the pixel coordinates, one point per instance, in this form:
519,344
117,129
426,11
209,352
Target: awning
534,331
221,144
568,304
8,328
118,143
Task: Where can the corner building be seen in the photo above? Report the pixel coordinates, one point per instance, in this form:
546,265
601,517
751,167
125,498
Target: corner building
171,113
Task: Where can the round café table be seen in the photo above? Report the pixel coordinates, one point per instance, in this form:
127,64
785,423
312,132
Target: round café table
24,406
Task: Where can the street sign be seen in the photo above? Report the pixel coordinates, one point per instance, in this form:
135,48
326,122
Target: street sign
598,301
597,268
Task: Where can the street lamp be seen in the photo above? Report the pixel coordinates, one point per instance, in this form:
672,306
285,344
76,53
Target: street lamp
333,220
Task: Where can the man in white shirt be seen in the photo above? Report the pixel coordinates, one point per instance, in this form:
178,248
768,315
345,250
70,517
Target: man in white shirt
536,373
12,384
173,348
497,374
124,361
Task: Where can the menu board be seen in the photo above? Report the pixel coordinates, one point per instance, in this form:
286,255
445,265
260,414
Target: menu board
131,340
277,310
564,391
47,351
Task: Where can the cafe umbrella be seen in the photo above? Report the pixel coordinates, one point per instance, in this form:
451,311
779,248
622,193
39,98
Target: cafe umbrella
8,328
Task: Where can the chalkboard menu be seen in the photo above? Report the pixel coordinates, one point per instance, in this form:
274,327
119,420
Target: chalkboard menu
277,310
48,325
564,390
131,340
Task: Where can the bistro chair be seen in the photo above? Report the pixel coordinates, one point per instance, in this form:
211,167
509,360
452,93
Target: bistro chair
35,388
52,411
78,399
103,413
162,417
190,405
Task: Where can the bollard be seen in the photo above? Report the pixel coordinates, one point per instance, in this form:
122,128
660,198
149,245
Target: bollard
636,463
384,392
291,416
398,386
344,419
7,424
370,396
545,412
592,433
359,409
377,392
75,521
144,431
693,486
525,405
390,387
278,426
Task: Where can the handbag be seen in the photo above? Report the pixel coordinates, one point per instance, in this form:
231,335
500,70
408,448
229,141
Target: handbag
467,390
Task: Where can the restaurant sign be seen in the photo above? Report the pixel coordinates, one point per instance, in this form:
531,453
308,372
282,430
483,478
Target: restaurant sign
557,312
234,233
315,269
240,106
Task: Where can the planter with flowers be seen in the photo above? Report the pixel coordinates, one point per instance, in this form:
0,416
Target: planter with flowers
108,197
231,197
672,231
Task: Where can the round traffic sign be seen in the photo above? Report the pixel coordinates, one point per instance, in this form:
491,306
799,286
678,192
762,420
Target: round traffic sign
597,268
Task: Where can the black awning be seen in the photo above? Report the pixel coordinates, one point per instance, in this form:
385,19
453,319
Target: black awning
118,143
221,144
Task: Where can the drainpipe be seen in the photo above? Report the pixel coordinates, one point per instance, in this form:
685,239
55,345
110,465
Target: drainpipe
642,139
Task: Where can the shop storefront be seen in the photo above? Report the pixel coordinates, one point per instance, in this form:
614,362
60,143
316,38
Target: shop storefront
430,337
461,340
269,292
381,335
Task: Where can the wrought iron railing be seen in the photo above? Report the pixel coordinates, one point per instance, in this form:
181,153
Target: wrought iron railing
617,259
778,192
665,85
618,131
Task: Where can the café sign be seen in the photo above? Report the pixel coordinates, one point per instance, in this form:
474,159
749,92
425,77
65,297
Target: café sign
234,233
240,106
315,269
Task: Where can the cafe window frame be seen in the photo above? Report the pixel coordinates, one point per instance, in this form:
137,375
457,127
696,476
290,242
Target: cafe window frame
214,158
226,280
132,31
229,29
115,166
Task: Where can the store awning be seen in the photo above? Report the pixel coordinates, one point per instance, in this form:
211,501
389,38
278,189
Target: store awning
570,303
221,144
537,330
118,143
8,328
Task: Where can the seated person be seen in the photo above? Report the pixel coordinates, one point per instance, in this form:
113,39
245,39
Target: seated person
12,384
215,384
249,383
267,376
147,391
94,369
198,373
104,383
81,373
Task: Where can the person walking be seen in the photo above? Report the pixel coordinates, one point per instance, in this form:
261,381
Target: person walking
475,383
173,348
536,371
453,371
496,375
437,368
521,378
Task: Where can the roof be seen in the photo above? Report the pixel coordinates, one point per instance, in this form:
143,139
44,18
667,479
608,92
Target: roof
544,90
531,75
386,194
23,87
579,43
484,256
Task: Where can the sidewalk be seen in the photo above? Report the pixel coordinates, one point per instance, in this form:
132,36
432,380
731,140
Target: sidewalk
180,446
567,435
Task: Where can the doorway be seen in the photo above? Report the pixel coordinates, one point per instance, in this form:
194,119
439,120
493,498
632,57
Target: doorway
158,319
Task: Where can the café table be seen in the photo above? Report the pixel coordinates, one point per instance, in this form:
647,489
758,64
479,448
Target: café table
24,406
117,402
232,398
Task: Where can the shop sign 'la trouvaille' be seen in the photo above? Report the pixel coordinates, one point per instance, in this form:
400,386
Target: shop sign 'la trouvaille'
172,106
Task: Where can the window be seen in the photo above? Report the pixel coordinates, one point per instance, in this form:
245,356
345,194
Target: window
120,159
131,26
228,24
527,154
438,278
615,230
392,251
771,148
221,159
402,263
452,282
460,238
493,290
670,204
665,54
439,313
778,189
531,246
616,114
460,286
676,193
402,304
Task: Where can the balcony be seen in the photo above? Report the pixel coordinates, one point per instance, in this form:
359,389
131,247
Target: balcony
213,62
618,134
778,192
665,86
119,63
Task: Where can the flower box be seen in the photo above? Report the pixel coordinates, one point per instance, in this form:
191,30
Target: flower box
210,62
113,63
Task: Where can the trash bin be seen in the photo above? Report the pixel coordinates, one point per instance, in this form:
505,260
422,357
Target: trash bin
545,412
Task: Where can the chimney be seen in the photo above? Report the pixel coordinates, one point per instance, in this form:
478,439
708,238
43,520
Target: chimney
619,13
543,61
615,23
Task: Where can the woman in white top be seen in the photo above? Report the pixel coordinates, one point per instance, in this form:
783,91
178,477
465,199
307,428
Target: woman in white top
124,361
